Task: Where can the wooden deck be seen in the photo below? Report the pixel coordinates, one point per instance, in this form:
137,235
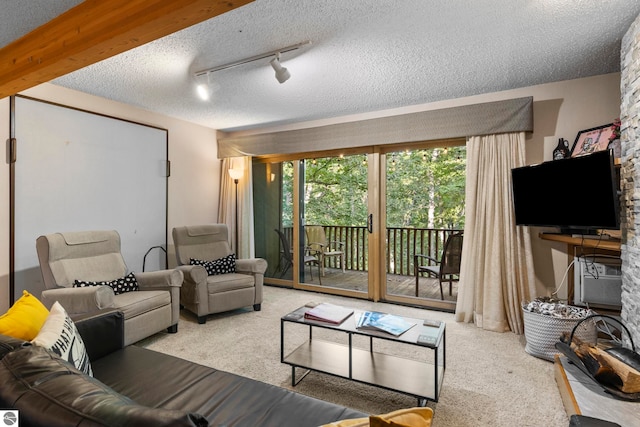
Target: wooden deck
396,284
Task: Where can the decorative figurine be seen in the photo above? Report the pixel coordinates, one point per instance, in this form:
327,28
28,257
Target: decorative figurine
562,150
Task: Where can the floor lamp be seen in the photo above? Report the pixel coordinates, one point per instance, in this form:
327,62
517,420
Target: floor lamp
236,174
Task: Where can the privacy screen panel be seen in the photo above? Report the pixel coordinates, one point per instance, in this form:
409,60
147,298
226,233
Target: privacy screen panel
76,171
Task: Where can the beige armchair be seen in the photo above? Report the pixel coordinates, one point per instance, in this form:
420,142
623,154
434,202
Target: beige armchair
95,256
203,294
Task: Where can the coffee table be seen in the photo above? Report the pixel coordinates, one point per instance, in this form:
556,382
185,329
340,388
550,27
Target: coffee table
421,378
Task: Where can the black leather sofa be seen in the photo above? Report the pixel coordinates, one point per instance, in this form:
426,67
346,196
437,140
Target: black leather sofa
134,386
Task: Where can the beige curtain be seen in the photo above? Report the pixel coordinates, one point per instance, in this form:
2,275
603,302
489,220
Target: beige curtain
497,265
245,248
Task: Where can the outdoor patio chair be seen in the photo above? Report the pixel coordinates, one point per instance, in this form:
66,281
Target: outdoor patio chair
286,257
317,241
447,268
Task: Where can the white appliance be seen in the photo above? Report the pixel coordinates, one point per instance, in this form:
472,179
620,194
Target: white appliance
598,282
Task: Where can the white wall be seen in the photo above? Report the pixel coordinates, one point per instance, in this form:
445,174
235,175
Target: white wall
561,109
195,169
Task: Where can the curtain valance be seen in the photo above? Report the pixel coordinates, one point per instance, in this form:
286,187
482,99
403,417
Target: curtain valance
511,115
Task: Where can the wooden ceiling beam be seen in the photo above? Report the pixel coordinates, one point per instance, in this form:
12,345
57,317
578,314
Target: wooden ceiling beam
95,30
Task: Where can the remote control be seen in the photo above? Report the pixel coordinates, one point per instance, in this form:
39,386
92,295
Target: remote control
426,340
434,323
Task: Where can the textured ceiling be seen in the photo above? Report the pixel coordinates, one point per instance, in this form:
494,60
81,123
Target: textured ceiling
365,55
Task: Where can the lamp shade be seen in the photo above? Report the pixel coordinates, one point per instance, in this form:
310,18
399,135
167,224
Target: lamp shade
236,173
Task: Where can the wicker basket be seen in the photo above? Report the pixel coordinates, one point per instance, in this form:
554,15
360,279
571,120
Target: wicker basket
542,332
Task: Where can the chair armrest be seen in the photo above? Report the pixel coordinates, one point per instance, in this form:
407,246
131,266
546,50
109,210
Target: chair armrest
336,243
80,300
316,244
102,332
164,280
193,273
251,265
158,280
416,257
310,251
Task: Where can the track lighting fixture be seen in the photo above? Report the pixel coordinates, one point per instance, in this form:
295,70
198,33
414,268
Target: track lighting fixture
204,90
282,74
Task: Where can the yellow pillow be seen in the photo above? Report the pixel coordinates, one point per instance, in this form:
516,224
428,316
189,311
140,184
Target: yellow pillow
24,319
410,417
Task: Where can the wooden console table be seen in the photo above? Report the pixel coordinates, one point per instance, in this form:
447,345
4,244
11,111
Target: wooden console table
585,242
577,246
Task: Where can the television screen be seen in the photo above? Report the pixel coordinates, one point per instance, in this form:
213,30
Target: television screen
575,194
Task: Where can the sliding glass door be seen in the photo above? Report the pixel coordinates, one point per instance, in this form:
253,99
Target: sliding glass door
311,217
424,191
273,185
334,212
352,224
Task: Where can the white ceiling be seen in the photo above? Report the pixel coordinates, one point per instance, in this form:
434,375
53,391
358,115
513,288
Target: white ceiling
366,55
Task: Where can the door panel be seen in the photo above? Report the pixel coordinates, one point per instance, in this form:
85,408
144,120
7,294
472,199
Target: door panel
334,236
424,204
374,212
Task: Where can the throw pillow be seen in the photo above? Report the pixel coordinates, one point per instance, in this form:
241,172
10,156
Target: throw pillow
219,266
60,335
124,284
24,319
417,417
410,417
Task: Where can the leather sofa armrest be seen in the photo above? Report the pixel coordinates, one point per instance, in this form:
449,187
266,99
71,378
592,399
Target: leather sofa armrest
102,332
251,265
193,273
157,280
80,300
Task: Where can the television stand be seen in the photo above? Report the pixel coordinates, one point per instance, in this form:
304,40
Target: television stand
585,242
579,232
579,246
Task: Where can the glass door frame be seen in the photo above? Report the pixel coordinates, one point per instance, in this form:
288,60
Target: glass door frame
382,243
298,226
376,207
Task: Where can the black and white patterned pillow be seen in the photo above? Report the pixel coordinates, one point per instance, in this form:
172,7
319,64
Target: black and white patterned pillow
124,284
219,266
60,335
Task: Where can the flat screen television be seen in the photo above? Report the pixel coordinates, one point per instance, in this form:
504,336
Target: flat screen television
579,195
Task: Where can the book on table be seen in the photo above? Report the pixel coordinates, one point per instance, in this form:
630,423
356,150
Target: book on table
330,313
376,321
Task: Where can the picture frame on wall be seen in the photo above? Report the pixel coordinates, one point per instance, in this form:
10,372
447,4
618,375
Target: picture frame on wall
591,140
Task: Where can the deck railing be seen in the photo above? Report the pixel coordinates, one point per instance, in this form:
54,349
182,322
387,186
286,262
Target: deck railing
402,245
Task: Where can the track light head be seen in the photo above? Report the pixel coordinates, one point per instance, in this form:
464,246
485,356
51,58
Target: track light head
204,89
282,74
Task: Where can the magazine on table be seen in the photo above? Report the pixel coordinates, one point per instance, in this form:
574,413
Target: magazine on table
330,313
376,321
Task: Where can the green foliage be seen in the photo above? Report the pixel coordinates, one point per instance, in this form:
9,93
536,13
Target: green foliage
336,191
425,189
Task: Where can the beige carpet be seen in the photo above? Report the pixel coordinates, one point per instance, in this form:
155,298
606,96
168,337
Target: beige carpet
489,380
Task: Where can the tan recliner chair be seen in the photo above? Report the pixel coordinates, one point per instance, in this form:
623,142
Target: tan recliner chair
95,256
203,294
